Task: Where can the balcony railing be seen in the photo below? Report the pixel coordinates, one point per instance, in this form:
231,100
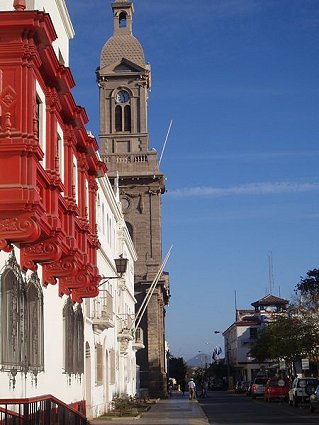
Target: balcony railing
125,323
43,410
102,315
125,331
132,160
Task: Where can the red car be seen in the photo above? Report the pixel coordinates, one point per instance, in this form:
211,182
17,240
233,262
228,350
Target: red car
277,389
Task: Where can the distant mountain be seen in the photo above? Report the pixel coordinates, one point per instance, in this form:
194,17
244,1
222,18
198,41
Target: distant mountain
200,360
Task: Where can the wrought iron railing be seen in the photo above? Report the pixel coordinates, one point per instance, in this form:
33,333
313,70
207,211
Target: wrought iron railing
43,410
125,322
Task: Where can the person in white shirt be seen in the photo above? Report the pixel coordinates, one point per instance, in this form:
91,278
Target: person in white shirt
192,389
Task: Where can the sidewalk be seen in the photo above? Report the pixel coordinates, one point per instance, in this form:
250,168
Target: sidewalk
177,410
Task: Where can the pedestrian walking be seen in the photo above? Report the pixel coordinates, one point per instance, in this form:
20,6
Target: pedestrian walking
183,386
192,389
205,389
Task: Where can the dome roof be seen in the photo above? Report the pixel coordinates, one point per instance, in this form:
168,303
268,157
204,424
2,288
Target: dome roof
122,46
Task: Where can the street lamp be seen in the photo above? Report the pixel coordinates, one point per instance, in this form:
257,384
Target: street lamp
121,266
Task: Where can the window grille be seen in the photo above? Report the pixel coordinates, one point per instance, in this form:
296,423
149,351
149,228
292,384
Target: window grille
68,317
112,366
73,338
99,364
79,340
12,315
34,335
21,321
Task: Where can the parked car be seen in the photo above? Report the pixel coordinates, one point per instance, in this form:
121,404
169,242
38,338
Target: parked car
314,400
241,386
301,390
217,384
277,388
258,387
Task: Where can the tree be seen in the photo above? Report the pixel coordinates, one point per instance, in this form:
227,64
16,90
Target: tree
307,292
288,338
261,350
177,368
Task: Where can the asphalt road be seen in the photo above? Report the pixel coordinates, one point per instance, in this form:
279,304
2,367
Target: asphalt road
228,408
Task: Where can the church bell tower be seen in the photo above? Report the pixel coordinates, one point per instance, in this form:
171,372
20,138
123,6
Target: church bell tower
124,81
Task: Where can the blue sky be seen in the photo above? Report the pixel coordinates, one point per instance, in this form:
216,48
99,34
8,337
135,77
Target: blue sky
240,80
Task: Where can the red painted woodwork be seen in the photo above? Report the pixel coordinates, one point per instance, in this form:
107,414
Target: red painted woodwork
42,252
40,211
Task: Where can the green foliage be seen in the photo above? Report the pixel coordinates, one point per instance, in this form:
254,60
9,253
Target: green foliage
309,286
124,405
218,369
121,404
287,338
177,368
261,350
307,291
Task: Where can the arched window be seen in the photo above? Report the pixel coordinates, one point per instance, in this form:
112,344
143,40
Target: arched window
127,118
122,20
118,118
69,328
11,316
34,335
79,340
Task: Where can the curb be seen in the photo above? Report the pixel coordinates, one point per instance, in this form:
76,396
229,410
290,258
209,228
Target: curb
201,410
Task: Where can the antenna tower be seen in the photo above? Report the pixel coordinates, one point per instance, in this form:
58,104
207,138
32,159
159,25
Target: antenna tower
270,272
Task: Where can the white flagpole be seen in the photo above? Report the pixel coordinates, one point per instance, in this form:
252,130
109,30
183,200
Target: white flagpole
166,138
148,296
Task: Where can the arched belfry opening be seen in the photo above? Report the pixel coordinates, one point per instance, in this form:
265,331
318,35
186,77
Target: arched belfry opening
122,20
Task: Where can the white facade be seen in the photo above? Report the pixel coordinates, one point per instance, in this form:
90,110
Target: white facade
110,366
109,337
238,341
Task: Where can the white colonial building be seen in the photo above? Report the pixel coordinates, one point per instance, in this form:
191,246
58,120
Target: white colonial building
67,338
241,335
109,318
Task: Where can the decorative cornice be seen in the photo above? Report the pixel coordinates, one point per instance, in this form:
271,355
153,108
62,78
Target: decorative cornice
65,267
21,229
43,252
79,280
88,292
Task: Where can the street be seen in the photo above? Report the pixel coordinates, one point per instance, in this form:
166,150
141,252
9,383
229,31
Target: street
228,408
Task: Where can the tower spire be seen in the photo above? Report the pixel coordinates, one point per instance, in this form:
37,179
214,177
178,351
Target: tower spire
19,4
123,13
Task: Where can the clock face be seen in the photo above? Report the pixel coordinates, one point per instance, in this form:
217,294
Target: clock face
122,96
